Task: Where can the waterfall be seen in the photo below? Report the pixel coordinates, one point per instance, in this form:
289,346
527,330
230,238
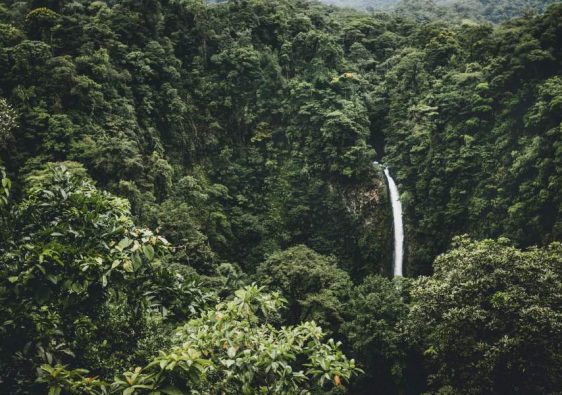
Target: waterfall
398,224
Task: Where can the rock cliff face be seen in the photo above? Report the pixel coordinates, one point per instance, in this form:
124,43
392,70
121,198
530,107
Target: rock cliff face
370,208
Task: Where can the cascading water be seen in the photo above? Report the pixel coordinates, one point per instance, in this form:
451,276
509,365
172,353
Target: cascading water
398,224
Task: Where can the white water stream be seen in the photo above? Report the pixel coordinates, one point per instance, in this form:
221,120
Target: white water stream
398,224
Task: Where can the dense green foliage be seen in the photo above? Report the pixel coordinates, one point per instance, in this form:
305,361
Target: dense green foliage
375,331
315,288
7,122
480,95
243,133
227,350
82,286
74,268
207,120
490,319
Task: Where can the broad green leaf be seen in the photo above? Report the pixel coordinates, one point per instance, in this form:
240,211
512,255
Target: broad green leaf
128,266
124,243
148,251
172,391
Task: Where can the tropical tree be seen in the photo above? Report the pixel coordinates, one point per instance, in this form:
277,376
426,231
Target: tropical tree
77,277
232,348
314,286
489,319
375,331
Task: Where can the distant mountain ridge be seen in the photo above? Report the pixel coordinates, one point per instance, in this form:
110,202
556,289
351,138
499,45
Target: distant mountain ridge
364,4
491,10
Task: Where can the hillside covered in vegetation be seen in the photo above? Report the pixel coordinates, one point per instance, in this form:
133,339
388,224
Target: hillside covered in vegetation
494,11
189,201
